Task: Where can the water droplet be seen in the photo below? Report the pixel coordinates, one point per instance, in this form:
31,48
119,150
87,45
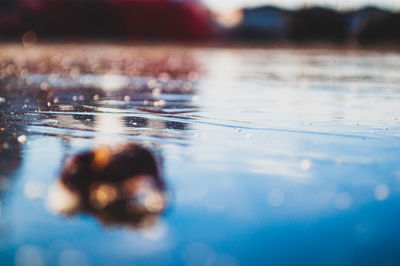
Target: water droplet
305,164
21,139
381,192
72,257
29,255
44,86
152,84
156,92
159,103
276,197
342,201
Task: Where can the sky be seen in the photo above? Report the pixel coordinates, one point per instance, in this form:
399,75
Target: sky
221,5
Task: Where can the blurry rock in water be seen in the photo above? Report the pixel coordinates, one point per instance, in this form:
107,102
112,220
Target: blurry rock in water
119,185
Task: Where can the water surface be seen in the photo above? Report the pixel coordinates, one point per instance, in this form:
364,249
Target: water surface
271,156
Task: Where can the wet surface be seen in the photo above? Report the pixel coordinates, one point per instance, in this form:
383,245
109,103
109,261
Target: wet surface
269,156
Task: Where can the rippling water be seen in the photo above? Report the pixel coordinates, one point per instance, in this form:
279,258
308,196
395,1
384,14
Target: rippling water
271,156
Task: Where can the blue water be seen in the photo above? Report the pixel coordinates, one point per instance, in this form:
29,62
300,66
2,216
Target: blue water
271,156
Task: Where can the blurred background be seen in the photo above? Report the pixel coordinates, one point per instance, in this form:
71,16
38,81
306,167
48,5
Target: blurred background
295,21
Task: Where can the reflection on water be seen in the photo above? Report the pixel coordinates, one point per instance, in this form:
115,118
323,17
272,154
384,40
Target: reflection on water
265,152
12,137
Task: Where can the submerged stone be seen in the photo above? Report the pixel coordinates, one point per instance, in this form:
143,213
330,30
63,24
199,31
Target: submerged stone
119,185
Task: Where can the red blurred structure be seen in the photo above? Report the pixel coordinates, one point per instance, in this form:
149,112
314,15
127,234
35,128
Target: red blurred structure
121,19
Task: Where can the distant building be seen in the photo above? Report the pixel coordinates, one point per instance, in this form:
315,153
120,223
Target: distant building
264,23
318,24
358,20
372,25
